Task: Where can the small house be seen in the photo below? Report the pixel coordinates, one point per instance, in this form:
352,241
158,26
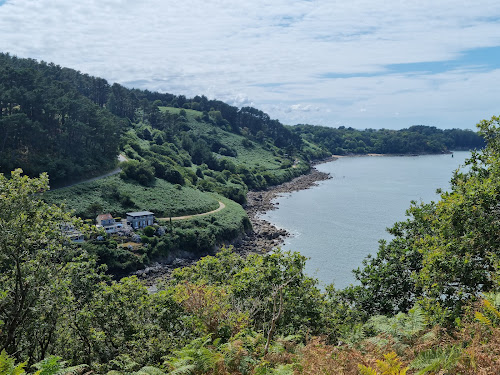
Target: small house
70,232
105,220
140,219
108,223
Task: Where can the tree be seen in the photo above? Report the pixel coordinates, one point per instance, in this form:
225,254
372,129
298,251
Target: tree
34,246
443,257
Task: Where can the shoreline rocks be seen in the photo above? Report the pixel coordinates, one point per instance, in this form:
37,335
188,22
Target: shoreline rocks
264,236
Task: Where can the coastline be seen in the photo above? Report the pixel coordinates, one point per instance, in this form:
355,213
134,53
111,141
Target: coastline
265,236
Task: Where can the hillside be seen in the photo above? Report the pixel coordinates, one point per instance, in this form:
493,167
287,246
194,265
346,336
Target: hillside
72,126
181,151
427,303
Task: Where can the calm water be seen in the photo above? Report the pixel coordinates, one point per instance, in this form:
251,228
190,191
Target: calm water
338,223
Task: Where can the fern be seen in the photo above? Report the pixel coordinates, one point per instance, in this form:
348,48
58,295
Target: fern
353,335
183,370
413,322
402,328
363,370
492,310
49,366
481,318
124,363
8,365
54,365
490,316
149,370
434,360
194,357
390,365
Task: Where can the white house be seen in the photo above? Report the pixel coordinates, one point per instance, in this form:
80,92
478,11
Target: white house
140,219
108,223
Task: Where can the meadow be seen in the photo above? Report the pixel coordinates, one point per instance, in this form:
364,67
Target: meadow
114,195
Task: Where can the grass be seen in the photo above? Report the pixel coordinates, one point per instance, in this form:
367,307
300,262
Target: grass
202,233
265,157
116,196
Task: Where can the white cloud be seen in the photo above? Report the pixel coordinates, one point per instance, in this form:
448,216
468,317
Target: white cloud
303,108
272,54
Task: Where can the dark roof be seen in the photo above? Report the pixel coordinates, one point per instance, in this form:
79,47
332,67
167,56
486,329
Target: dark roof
140,213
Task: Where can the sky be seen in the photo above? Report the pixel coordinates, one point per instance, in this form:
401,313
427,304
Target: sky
360,63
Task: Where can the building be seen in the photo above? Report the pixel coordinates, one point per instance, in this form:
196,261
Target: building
108,223
72,233
105,220
140,219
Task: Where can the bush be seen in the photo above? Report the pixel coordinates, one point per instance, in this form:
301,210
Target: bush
149,231
142,172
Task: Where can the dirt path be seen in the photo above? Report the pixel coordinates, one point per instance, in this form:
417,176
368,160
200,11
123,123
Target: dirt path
221,207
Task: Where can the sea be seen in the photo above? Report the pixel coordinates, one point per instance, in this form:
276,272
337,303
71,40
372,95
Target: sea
339,223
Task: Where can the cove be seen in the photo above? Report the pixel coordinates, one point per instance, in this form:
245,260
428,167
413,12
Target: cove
339,222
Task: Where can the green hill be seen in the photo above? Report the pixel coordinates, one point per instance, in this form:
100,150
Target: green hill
181,151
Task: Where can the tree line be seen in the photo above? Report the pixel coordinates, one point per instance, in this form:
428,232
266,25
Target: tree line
417,139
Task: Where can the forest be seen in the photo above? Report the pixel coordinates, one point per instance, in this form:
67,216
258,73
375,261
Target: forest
428,302
417,139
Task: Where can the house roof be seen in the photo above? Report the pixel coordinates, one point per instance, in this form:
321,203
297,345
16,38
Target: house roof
140,213
104,217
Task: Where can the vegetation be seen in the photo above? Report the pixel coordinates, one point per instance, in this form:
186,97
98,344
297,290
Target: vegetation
114,195
417,139
258,314
427,303
446,253
47,125
176,148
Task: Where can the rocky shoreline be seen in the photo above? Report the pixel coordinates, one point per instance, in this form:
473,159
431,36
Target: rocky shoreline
264,237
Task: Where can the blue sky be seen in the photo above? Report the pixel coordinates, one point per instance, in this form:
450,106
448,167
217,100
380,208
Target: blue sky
360,63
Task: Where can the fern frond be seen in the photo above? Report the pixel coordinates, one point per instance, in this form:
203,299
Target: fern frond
354,335
184,370
378,341
364,370
149,370
491,309
74,370
390,365
434,360
483,319
414,322
8,366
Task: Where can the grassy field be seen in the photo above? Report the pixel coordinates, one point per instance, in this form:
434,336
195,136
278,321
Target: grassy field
116,196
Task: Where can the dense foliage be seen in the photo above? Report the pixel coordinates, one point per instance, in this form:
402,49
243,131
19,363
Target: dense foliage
417,139
47,125
428,303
